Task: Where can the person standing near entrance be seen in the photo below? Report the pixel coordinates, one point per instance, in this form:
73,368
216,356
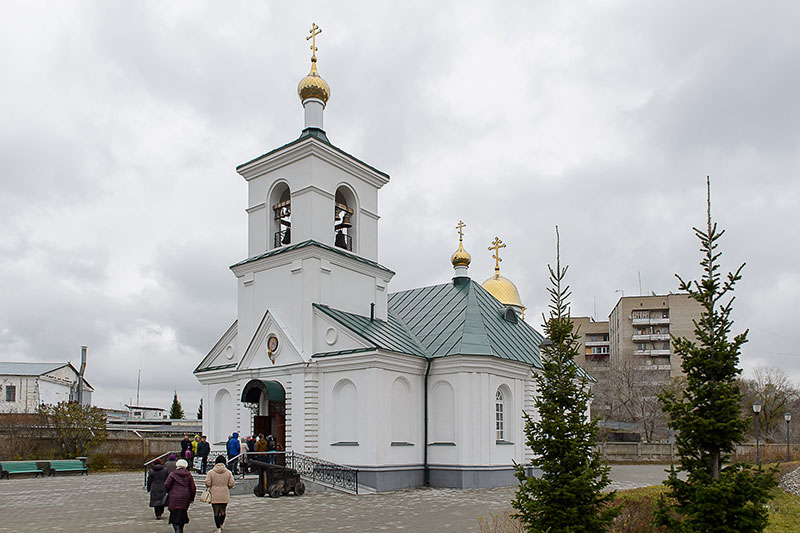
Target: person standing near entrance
233,449
261,448
272,446
219,482
203,449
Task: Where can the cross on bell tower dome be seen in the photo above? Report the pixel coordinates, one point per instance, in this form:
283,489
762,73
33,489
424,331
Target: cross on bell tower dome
313,90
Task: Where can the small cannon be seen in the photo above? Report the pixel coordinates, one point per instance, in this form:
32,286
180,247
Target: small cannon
276,480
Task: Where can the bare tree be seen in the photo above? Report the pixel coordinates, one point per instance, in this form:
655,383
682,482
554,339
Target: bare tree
772,387
627,393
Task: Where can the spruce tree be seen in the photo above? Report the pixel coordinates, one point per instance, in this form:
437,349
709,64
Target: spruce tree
176,410
568,496
707,416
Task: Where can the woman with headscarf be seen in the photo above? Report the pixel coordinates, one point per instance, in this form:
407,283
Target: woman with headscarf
155,486
219,481
170,464
182,490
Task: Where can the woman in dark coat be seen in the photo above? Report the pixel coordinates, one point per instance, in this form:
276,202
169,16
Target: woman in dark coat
182,489
155,486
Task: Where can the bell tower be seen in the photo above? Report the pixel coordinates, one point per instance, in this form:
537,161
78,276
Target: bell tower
312,225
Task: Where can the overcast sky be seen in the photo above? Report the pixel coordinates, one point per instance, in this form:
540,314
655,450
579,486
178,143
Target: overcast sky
121,124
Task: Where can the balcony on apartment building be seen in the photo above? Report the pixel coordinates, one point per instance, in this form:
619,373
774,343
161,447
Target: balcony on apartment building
644,337
590,344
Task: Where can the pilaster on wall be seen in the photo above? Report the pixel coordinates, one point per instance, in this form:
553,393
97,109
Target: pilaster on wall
238,424
528,406
288,413
311,413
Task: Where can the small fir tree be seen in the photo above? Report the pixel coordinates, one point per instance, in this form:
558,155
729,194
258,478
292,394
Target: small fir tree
176,411
707,416
568,496
200,410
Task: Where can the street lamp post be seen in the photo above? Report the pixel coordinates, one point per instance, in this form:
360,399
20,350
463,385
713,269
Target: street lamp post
756,410
788,418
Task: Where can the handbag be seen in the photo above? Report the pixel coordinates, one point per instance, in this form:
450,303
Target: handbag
165,499
205,496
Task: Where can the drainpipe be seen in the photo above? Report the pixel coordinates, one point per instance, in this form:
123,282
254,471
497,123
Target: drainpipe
425,439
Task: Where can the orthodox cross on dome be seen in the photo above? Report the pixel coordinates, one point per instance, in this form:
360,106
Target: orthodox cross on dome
314,31
496,245
460,227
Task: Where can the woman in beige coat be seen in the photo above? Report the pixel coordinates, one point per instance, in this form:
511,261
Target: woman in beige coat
219,481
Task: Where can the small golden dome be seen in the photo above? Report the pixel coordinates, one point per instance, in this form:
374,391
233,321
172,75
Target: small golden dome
313,86
460,257
502,289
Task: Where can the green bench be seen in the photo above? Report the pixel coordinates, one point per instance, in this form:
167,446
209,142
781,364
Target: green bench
68,466
19,467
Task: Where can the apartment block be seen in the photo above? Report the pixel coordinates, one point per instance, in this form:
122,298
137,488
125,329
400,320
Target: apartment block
639,329
631,355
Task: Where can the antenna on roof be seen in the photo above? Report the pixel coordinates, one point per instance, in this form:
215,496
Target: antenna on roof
138,384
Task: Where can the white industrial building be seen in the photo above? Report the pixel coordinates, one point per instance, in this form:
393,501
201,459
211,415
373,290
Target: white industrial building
25,386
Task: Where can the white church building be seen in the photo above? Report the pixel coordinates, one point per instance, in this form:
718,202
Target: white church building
423,386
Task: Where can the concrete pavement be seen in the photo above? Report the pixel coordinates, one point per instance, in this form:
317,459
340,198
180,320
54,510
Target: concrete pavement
116,502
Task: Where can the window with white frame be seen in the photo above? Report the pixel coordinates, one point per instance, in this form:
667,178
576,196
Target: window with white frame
499,415
11,393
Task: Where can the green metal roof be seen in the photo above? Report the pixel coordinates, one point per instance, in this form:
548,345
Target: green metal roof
385,334
311,242
442,320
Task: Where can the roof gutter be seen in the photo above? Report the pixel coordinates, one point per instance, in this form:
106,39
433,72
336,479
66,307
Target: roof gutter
425,438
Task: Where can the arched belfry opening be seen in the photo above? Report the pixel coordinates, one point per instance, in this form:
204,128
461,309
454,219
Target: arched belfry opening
266,400
281,222
344,218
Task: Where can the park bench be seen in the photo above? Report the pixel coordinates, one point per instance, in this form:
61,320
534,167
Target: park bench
68,466
21,467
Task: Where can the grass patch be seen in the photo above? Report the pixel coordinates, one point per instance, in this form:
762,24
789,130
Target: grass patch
784,512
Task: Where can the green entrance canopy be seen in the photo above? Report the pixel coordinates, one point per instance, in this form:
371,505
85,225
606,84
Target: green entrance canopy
255,387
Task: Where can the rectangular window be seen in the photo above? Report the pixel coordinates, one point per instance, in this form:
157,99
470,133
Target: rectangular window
599,349
11,393
641,314
641,346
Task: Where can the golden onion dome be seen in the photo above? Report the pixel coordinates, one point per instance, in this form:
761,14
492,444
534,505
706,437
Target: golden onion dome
313,86
502,289
460,257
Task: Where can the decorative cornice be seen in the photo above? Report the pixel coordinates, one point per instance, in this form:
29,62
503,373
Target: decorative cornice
310,146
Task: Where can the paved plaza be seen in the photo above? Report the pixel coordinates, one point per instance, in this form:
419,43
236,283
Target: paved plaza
116,502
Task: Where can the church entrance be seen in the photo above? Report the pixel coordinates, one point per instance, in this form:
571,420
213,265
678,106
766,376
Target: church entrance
267,401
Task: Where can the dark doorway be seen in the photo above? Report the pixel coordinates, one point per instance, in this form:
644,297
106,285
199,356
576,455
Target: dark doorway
273,421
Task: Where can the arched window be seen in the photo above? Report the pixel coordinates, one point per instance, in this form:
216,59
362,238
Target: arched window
280,223
345,412
443,406
344,218
499,415
224,415
502,407
401,407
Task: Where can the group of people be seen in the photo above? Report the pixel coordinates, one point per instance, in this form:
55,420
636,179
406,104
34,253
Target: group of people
171,485
199,448
262,446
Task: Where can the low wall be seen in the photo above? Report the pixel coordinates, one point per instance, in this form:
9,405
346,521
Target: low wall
658,452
